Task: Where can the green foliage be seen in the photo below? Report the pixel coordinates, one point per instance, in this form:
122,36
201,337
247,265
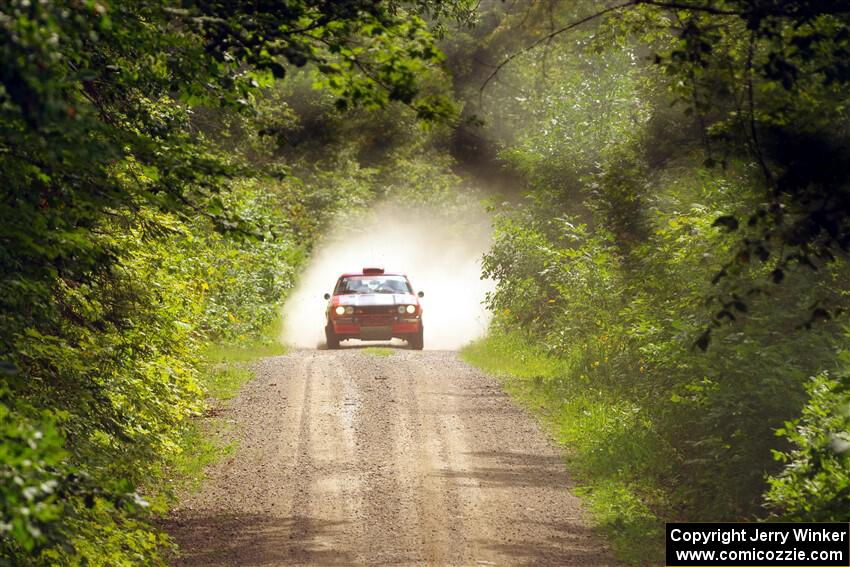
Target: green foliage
769,83
30,452
239,280
146,211
626,323
814,486
673,250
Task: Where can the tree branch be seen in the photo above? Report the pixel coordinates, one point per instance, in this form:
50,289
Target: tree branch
756,146
551,35
691,7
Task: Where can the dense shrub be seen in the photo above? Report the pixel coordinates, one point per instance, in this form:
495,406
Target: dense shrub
814,485
677,266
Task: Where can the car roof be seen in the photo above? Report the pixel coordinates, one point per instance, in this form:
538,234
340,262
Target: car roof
352,274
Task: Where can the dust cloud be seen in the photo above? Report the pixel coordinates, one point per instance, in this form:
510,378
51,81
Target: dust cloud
439,251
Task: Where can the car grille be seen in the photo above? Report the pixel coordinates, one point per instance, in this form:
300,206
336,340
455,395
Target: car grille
376,310
375,315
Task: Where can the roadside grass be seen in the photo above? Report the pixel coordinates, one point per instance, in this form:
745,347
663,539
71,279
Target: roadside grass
224,354
607,446
208,438
378,351
223,382
267,344
201,446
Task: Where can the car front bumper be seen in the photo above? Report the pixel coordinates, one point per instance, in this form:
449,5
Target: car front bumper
376,329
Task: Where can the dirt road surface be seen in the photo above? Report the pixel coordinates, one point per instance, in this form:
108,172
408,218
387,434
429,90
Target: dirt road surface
347,458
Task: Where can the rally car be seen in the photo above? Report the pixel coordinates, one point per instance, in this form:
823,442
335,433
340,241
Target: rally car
373,306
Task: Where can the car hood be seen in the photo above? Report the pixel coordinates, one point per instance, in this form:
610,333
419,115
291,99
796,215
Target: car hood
368,299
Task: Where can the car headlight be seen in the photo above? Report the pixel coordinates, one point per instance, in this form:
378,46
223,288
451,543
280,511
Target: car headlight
411,309
401,308
349,310
340,310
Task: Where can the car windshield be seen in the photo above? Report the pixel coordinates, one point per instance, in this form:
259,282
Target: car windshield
372,284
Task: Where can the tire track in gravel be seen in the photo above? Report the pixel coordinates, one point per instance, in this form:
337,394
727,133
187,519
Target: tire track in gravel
412,459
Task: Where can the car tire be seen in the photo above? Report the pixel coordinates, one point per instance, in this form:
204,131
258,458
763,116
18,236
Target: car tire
417,341
331,339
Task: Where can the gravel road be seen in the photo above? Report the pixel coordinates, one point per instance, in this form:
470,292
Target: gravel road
347,458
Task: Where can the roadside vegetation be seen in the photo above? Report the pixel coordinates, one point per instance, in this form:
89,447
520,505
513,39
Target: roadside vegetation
602,448
671,260
163,186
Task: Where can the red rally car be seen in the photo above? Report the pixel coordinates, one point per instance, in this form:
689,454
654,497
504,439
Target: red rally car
374,306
